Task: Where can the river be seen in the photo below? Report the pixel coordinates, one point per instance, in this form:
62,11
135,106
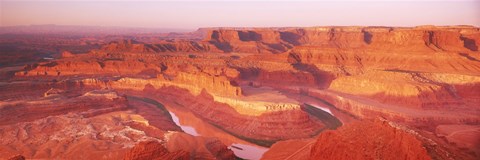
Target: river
191,124
195,126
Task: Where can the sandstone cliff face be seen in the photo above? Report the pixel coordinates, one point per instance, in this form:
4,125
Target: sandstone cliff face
366,108
162,46
367,140
127,45
351,62
406,39
417,90
219,85
249,41
90,67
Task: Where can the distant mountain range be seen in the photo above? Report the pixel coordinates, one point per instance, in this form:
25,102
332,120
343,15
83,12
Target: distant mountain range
74,29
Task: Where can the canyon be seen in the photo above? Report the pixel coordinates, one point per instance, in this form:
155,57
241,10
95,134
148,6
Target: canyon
359,92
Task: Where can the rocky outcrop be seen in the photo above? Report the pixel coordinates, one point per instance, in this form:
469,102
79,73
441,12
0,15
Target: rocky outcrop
90,67
72,136
199,147
352,62
290,149
409,89
127,45
247,41
157,47
219,150
21,111
278,40
368,140
154,151
366,108
218,85
215,85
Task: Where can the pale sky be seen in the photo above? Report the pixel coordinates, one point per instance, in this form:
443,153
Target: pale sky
195,14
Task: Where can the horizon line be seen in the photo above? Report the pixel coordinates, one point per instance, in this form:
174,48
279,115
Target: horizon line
143,27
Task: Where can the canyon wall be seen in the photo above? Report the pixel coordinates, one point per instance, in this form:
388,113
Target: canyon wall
250,83
278,40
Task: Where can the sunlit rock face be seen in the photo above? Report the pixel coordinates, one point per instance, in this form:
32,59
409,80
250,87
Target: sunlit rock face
305,93
366,139
377,139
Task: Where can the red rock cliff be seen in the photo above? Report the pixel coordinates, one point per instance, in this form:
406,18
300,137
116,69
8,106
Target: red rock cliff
368,140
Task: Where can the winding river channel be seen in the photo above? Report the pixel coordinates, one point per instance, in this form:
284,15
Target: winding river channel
195,126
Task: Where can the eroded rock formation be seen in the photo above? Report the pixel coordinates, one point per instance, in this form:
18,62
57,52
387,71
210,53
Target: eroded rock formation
368,140
154,150
253,84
